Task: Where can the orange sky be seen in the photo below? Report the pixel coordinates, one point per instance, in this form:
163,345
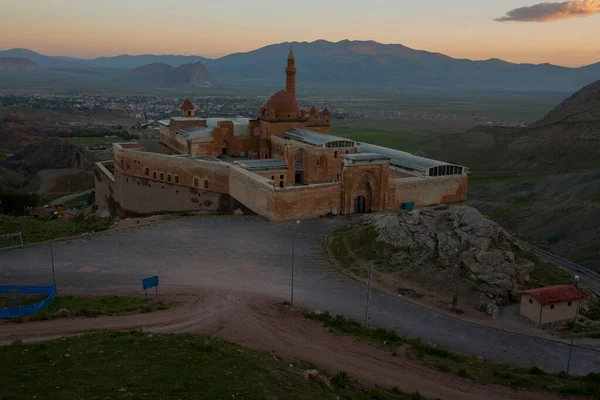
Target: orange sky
460,29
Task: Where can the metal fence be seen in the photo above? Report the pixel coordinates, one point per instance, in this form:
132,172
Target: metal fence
11,241
30,309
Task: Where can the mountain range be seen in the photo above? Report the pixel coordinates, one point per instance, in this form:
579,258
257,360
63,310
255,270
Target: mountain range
366,64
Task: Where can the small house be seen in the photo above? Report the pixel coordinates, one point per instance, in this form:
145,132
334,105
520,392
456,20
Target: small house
550,304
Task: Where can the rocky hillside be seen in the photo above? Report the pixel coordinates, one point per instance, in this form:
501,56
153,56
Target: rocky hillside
158,74
542,181
567,139
582,106
22,170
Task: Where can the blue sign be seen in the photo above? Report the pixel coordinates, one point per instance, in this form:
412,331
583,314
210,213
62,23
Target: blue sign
150,282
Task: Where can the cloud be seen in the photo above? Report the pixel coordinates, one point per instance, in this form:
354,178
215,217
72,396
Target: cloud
549,12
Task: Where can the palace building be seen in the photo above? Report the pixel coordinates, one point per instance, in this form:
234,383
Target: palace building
283,165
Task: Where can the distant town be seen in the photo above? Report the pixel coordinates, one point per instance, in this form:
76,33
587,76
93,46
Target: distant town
149,109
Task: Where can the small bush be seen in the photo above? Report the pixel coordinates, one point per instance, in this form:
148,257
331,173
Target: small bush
443,367
416,396
462,372
341,379
535,370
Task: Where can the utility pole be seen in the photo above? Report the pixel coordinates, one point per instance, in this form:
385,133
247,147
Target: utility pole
52,254
293,253
574,326
52,258
456,281
368,306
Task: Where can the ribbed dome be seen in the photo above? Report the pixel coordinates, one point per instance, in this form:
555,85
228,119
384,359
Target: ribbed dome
283,102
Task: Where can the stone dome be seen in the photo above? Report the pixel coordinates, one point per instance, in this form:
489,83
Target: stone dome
283,102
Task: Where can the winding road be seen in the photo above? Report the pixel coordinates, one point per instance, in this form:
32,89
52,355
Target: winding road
254,255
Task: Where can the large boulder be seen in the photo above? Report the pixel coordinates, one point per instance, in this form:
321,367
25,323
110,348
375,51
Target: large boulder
455,243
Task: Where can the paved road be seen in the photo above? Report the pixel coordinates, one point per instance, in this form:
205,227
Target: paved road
252,254
589,278
64,199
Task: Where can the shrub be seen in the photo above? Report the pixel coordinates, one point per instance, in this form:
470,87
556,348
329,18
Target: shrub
341,379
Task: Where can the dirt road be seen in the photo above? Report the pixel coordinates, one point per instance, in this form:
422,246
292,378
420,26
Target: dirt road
259,322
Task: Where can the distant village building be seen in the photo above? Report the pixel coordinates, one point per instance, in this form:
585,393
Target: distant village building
551,304
283,165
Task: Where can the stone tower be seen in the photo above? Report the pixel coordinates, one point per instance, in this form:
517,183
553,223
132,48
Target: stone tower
187,108
290,75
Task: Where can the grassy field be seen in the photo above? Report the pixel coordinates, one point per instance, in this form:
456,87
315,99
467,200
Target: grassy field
37,230
471,368
78,306
141,365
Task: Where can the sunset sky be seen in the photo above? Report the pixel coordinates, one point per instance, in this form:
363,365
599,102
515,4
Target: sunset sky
565,34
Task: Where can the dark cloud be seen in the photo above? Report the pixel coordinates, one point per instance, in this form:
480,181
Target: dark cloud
548,12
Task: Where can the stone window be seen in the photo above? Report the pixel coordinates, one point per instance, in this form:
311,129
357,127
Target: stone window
281,177
569,304
147,171
552,306
196,183
176,178
205,184
162,176
335,154
530,301
272,177
319,162
169,177
154,175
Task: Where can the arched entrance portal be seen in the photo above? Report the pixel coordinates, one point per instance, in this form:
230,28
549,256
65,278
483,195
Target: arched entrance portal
364,194
360,205
224,148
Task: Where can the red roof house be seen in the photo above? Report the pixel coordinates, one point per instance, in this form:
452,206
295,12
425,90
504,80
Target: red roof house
551,304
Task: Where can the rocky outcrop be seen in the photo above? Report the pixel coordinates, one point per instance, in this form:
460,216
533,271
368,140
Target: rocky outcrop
166,75
455,243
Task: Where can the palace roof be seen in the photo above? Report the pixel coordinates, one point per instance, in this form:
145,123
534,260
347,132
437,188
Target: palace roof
319,139
403,158
283,102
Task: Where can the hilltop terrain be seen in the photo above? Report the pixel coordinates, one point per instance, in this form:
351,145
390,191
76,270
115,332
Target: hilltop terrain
542,180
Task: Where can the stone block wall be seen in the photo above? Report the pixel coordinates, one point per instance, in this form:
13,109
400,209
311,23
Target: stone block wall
304,202
184,171
427,191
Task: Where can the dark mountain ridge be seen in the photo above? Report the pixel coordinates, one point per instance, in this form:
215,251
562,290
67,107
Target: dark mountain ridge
364,63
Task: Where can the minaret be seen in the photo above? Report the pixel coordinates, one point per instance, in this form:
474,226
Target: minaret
290,75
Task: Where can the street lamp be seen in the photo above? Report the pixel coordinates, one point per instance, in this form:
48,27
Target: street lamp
574,325
293,251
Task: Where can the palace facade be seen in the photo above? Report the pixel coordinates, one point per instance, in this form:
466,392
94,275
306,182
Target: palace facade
284,164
